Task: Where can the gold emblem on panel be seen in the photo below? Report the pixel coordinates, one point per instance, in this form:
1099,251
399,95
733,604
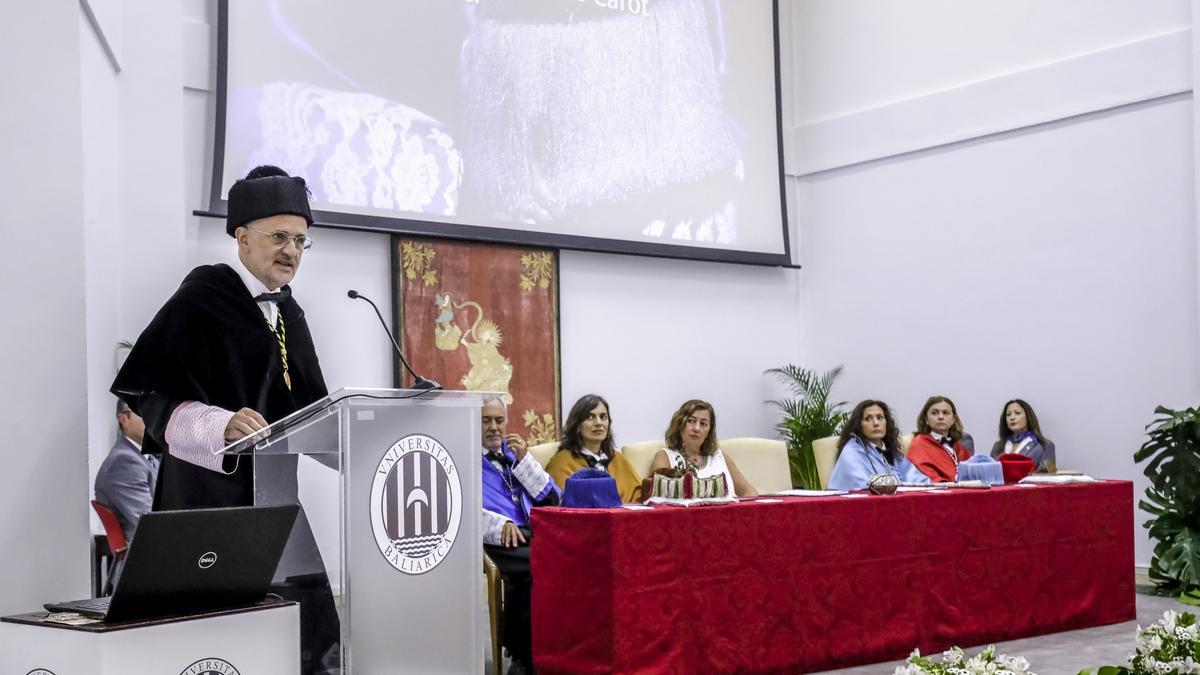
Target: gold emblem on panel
490,370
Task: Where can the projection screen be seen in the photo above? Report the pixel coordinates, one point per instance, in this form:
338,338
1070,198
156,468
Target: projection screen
629,126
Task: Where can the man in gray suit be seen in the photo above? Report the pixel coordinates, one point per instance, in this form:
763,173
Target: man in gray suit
125,481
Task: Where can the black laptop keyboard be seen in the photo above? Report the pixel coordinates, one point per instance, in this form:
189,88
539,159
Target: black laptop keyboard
95,604
92,607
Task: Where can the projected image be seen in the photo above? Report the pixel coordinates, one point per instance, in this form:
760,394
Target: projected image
625,120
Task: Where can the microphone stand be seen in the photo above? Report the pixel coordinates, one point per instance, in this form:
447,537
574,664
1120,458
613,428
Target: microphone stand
419,382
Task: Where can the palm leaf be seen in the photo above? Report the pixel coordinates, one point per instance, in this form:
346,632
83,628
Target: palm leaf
1172,455
807,416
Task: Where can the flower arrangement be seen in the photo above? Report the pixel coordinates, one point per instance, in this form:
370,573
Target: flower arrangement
955,662
1169,647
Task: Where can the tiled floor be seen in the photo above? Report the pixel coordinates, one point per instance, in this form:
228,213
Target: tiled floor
1054,654
1067,653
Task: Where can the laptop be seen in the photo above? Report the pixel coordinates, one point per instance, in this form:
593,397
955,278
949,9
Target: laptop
187,561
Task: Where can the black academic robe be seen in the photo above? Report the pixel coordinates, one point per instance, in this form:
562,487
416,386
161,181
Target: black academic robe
210,343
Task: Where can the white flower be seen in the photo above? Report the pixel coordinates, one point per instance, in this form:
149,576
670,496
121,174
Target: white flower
1017,664
1169,619
977,665
952,656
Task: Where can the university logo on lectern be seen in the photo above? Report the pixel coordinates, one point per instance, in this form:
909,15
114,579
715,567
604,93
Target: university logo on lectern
40,671
210,666
416,504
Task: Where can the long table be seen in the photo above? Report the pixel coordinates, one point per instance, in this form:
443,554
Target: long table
811,583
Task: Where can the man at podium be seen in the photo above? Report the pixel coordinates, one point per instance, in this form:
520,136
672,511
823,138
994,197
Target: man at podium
229,353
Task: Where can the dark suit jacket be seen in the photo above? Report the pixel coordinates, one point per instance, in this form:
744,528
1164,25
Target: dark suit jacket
125,484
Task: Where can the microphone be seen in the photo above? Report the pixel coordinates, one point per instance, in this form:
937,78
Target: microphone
418,381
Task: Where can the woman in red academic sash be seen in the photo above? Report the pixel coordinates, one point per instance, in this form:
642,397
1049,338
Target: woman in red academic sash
937,448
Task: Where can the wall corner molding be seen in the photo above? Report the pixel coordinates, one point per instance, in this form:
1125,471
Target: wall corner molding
1146,69
98,17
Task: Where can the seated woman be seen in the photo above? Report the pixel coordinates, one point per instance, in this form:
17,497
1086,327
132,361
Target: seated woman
587,442
937,449
870,445
692,437
1020,433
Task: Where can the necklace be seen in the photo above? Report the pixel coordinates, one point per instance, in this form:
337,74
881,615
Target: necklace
280,334
507,477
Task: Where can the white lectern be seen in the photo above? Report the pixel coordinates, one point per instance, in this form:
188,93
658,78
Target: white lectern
390,484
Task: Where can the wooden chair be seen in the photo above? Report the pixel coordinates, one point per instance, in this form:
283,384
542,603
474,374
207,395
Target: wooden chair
494,592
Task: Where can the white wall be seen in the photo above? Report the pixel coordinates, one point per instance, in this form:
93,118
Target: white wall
1039,241
133,161
103,232
650,334
43,531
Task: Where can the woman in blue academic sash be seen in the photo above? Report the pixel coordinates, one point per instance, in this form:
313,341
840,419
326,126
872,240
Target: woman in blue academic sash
1020,433
870,446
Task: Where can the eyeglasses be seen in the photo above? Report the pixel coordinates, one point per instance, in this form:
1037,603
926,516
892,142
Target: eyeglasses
280,238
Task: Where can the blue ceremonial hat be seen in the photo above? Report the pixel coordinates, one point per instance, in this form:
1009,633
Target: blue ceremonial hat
982,467
590,489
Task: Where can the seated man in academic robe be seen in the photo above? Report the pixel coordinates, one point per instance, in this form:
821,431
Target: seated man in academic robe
513,483
229,353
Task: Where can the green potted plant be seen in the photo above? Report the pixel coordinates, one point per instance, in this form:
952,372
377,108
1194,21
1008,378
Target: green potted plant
1173,498
806,417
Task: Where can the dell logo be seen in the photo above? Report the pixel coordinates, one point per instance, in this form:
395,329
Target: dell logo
207,560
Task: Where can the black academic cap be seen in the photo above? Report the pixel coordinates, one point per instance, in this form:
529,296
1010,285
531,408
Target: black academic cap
266,191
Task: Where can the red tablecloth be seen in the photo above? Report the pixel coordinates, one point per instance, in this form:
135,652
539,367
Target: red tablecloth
808,584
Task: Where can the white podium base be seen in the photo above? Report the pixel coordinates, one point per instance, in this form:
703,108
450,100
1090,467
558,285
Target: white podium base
258,641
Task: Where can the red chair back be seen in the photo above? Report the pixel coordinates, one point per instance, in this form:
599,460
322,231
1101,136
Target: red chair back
112,529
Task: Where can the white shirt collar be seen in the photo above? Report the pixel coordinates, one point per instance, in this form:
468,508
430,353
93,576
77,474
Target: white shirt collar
270,310
134,443
253,285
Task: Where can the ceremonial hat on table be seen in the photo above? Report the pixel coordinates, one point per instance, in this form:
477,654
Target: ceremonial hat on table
1016,466
590,489
981,467
266,191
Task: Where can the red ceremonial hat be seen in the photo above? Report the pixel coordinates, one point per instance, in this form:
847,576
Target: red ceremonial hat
1016,466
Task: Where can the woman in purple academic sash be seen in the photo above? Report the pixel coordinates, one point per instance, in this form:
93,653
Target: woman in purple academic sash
1020,433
